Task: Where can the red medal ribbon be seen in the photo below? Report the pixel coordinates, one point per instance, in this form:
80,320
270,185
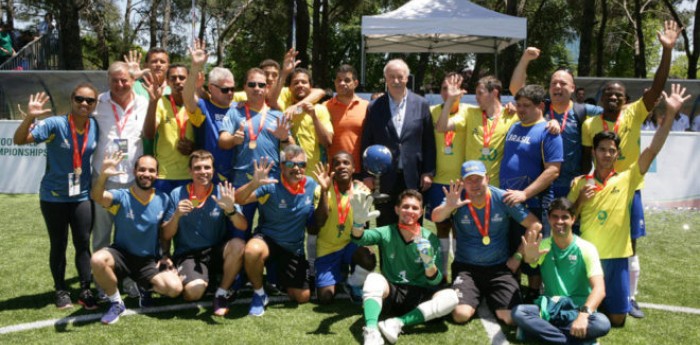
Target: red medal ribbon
605,181
566,115
488,133
483,230
617,123
182,125
295,190
121,124
254,136
413,229
342,213
77,150
193,196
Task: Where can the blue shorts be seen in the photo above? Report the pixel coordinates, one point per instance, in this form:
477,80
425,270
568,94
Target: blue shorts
330,267
167,186
433,198
617,285
637,225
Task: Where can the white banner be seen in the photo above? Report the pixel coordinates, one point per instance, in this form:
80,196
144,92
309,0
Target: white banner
21,167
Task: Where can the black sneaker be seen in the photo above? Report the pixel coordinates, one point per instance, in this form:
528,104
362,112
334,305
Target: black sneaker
145,298
87,300
62,299
635,311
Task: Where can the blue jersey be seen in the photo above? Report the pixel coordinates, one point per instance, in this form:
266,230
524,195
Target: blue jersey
137,222
284,216
207,135
571,139
55,131
470,248
267,144
526,150
202,228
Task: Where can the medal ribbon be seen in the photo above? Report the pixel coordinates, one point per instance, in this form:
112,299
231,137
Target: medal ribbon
182,125
254,136
413,229
295,190
77,151
193,196
605,181
121,124
342,213
488,133
483,230
617,123
566,115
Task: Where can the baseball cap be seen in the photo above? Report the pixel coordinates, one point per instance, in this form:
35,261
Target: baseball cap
473,168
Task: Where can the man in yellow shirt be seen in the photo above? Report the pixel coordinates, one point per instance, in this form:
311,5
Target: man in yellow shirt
604,198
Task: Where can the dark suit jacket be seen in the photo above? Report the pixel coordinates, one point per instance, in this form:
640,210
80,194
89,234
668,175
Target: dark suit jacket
415,147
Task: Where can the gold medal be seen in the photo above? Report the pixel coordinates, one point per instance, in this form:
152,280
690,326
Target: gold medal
252,144
195,202
486,240
485,151
77,171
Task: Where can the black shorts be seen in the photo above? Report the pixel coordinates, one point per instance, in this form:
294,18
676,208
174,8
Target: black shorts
201,264
404,298
497,283
140,269
292,270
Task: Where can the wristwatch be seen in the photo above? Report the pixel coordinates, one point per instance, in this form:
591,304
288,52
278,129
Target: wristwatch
585,309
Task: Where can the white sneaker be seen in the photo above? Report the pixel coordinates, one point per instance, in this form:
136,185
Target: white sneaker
391,328
372,336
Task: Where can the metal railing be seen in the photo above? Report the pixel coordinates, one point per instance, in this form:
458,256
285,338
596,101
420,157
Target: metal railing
41,54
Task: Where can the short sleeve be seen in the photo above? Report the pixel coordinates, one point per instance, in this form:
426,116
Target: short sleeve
197,117
553,148
44,129
586,135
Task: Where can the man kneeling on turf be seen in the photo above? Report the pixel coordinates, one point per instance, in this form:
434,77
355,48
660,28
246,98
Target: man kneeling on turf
409,262
573,284
139,213
334,249
199,226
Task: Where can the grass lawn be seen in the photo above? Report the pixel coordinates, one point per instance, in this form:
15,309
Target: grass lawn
669,276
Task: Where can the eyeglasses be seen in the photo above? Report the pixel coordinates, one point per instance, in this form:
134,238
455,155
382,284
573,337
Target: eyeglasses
252,85
81,99
177,77
223,89
290,164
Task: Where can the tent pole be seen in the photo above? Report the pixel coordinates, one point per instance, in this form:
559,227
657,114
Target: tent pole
362,63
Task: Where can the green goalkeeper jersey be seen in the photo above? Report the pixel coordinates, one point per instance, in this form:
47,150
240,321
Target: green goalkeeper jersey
401,263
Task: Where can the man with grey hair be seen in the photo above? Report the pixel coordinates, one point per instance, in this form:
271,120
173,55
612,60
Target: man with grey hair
286,207
120,114
401,121
212,110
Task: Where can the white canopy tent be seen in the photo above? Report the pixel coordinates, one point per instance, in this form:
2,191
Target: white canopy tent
440,26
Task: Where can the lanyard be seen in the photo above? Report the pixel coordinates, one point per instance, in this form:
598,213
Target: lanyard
254,136
413,229
196,201
77,151
182,125
295,190
121,123
488,133
342,213
483,230
617,123
566,115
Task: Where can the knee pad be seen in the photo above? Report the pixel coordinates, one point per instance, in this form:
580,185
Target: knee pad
374,287
634,263
442,303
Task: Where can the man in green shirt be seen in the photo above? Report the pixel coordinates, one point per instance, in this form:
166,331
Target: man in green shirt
408,283
573,284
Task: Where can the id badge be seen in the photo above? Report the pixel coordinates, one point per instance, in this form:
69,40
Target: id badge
448,150
123,145
73,184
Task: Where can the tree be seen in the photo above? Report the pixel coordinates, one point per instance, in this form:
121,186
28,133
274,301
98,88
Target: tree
693,54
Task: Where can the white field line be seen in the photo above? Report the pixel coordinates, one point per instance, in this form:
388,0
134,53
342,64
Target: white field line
493,329
672,308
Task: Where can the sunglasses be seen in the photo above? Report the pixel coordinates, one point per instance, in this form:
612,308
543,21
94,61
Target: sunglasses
252,85
81,99
223,89
290,164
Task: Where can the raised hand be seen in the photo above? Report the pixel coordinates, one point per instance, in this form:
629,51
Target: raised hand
262,171
228,197
531,53
110,163
675,100
322,176
453,197
281,132
198,54
454,87
361,204
36,105
290,62
133,60
153,86
668,37
531,246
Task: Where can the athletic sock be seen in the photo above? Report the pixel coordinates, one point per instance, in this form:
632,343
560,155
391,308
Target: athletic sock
635,270
372,310
116,298
445,254
413,317
259,291
311,252
220,292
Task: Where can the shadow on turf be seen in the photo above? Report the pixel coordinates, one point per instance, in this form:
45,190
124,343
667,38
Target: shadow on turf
37,301
339,310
